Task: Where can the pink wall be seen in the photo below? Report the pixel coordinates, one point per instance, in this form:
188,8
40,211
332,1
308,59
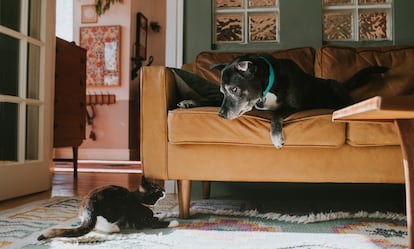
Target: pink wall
111,122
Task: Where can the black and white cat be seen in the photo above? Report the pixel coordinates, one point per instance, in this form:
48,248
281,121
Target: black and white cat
112,208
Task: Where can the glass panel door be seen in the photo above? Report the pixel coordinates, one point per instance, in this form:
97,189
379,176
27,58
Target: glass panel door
26,80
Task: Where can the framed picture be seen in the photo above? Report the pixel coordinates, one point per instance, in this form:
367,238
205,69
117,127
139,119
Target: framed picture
102,44
88,14
141,39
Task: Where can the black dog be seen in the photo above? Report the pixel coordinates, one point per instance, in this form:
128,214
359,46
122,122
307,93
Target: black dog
280,85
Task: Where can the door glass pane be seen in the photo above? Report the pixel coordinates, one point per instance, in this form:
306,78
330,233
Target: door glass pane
10,14
32,133
34,18
33,69
9,65
8,132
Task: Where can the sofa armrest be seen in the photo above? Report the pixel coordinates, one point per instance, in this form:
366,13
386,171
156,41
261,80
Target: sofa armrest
157,96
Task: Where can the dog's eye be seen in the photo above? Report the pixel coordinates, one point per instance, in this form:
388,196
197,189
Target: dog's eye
234,90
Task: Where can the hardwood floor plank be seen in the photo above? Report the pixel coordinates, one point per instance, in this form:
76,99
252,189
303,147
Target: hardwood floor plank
65,185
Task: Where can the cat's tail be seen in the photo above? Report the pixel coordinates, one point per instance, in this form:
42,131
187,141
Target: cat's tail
85,227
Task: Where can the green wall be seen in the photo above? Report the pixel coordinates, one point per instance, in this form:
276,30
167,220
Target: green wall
300,22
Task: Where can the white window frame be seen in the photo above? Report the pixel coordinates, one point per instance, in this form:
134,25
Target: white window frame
245,11
355,8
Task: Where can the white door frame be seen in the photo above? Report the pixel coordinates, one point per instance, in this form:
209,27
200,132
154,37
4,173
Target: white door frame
26,175
174,49
174,33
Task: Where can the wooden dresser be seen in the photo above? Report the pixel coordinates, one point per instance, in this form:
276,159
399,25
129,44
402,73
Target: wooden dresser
70,98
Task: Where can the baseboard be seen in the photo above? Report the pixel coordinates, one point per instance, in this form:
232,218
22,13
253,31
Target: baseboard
94,154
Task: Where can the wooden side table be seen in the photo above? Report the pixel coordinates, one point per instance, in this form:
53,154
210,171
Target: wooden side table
400,111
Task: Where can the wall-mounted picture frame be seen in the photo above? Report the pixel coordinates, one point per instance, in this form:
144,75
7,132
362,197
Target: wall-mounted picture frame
141,36
103,45
88,14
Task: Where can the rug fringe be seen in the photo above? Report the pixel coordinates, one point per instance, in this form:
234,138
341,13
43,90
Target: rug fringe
301,219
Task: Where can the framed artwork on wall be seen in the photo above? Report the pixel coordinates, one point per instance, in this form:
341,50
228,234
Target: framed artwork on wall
88,14
103,45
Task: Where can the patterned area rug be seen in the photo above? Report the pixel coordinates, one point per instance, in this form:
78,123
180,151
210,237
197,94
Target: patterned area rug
213,224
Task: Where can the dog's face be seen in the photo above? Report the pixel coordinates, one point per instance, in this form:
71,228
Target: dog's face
241,86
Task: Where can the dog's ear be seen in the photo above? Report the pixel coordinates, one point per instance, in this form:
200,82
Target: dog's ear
217,66
244,66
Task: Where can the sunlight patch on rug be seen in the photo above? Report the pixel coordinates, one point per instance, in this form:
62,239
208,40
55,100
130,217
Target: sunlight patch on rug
190,239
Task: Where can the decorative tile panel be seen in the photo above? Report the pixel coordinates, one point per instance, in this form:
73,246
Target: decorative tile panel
337,25
372,25
229,4
337,2
262,3
229,28
262,27
245,21
356,20
371,1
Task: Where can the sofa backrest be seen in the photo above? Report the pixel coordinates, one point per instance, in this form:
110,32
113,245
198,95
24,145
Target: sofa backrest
304,57
340,63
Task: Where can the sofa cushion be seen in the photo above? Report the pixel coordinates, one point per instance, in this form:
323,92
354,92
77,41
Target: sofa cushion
202,125
372,134
340,63
304,57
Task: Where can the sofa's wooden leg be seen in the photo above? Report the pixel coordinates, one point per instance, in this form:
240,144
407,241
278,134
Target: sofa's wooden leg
184,196
406,132
206,187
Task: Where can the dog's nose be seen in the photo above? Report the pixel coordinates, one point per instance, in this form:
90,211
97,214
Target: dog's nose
222,114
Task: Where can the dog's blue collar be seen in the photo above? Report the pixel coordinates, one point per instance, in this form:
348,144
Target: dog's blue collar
271,80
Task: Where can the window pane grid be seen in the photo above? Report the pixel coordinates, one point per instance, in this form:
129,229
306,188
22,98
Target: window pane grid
245,21
21,99
357,20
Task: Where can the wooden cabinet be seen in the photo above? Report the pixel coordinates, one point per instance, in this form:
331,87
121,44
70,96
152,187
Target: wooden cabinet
70,98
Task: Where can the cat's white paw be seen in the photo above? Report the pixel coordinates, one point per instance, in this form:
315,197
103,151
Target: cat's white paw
102,225
188,103
173,223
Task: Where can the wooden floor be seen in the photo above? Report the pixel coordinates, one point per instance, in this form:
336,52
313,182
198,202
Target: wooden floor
65,185
287,196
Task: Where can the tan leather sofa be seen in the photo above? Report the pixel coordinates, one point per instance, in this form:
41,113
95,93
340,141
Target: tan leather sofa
196,144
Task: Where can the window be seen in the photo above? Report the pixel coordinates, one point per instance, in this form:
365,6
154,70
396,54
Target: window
357,20
64,19
245,21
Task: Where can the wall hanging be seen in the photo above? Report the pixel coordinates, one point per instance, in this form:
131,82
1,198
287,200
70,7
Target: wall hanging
103,54
140,44
88,14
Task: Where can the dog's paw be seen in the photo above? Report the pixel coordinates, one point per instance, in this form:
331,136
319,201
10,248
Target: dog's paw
278,140
188,103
